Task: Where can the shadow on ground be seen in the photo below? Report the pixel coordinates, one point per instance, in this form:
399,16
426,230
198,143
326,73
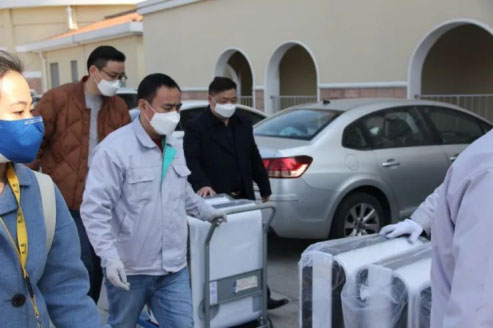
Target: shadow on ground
284,255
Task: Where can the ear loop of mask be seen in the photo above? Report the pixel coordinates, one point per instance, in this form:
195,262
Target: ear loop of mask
153,110
100,75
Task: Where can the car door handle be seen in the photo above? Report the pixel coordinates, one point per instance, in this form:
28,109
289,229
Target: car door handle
453,157
391,163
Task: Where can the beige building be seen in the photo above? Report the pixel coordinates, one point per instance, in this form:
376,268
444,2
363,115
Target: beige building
283,52
64,57
26,21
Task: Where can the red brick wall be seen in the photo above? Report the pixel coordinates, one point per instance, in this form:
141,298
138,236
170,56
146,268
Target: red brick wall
194,95
396,92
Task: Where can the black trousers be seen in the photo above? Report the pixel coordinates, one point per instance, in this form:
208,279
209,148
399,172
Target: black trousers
91,261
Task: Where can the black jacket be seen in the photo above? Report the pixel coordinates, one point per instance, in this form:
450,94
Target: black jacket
207,150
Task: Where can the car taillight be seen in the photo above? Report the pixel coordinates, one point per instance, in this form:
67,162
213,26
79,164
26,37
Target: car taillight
287,167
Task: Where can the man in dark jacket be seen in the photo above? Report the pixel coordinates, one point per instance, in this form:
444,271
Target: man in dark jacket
220,149
221,152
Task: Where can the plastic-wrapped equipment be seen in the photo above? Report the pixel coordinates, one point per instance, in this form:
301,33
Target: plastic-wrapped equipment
325,268
386,294
424,308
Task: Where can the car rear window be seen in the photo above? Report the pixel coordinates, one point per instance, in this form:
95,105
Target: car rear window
297,123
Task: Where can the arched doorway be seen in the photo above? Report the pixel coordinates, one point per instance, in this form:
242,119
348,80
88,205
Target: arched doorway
454,63
291,77
234,64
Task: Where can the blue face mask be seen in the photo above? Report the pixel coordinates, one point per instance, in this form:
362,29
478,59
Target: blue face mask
20,140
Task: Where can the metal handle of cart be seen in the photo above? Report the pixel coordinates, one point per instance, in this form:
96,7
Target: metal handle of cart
265,229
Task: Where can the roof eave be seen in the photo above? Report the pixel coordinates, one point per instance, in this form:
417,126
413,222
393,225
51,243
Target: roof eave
108,33
10,4
152,6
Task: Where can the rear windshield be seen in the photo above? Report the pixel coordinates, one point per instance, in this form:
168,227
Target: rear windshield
297,123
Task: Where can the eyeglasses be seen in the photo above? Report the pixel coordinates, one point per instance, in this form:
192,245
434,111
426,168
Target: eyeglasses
115,76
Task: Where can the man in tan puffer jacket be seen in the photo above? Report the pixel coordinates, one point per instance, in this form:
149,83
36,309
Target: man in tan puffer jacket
77,116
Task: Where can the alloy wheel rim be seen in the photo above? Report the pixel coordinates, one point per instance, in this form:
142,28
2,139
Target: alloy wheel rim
362,219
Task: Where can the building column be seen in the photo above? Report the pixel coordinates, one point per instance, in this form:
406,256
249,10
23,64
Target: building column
259,99
9,30
44,73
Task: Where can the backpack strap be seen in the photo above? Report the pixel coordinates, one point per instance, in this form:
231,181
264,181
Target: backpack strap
48,199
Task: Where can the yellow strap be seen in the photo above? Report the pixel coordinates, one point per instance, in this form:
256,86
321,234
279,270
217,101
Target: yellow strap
22,243
22,246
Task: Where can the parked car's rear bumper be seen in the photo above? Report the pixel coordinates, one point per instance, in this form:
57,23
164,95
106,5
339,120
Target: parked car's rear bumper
301,214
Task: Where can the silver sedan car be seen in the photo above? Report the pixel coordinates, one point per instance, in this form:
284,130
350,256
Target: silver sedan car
348,167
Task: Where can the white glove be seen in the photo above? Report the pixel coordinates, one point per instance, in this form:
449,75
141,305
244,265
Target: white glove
115,272
218,217
406,227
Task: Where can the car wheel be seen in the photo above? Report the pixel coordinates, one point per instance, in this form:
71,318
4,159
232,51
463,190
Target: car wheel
358,214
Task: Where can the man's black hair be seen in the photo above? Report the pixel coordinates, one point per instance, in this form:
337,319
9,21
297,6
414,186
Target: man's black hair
149,85
220,84
9,63
100,56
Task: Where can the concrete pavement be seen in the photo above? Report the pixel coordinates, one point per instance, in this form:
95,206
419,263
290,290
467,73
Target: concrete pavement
284,255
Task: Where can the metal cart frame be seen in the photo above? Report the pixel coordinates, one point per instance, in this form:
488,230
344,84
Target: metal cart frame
263,320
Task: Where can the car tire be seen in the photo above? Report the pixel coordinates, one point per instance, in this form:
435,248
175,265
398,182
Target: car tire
358,214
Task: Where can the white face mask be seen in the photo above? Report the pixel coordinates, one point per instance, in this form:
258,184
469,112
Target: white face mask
164,123
225,110
108,88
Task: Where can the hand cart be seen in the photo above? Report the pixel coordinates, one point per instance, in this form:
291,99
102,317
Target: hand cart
235,287
227,288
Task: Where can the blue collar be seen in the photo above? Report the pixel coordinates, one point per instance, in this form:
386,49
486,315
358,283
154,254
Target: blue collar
7,200
26,177
8,203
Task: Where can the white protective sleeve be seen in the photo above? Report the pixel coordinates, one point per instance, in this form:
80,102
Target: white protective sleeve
425,213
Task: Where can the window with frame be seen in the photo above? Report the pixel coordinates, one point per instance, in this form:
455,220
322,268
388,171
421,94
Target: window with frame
354,138
74,70
394,128
454,127
54,75
486,126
